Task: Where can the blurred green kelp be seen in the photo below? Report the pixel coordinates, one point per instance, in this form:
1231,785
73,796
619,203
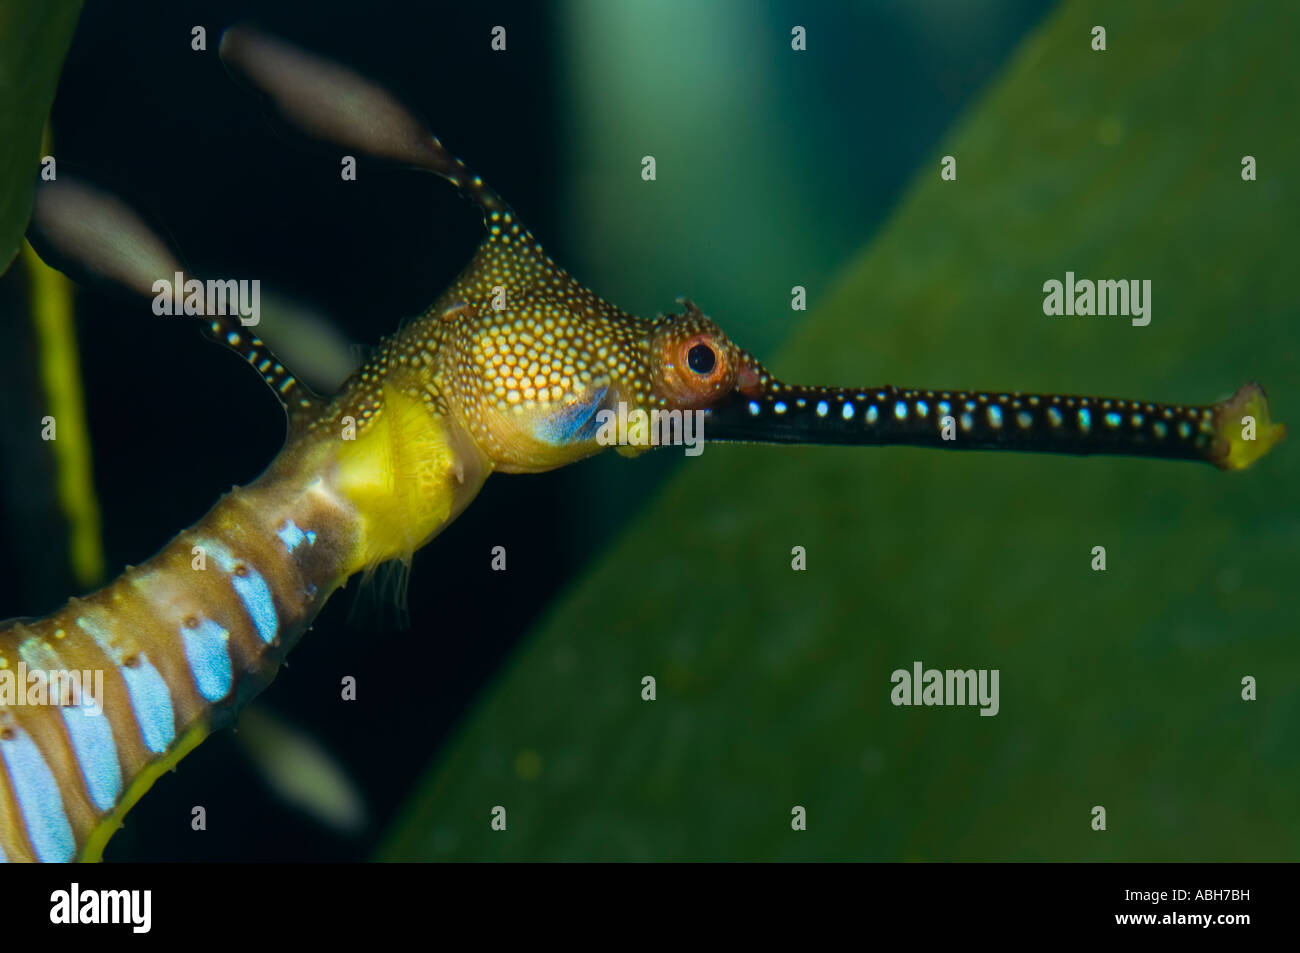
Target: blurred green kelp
1119,688
47,484
34,39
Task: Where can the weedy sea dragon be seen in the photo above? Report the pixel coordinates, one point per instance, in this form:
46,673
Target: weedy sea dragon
509,370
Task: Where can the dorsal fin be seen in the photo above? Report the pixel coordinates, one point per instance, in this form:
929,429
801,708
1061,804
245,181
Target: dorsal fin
90,234
332,103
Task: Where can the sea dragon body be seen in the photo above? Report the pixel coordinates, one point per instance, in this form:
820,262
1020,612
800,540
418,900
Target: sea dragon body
511,369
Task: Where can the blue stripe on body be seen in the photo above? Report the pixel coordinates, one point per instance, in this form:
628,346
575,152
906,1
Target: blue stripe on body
252,590
293,536
209,659
92,743
255,594
150,698
38,799
91,735
152,703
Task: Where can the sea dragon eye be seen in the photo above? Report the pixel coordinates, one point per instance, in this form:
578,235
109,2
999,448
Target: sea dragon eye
702,359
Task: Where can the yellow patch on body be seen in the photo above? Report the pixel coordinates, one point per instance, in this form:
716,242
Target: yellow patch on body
408,473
